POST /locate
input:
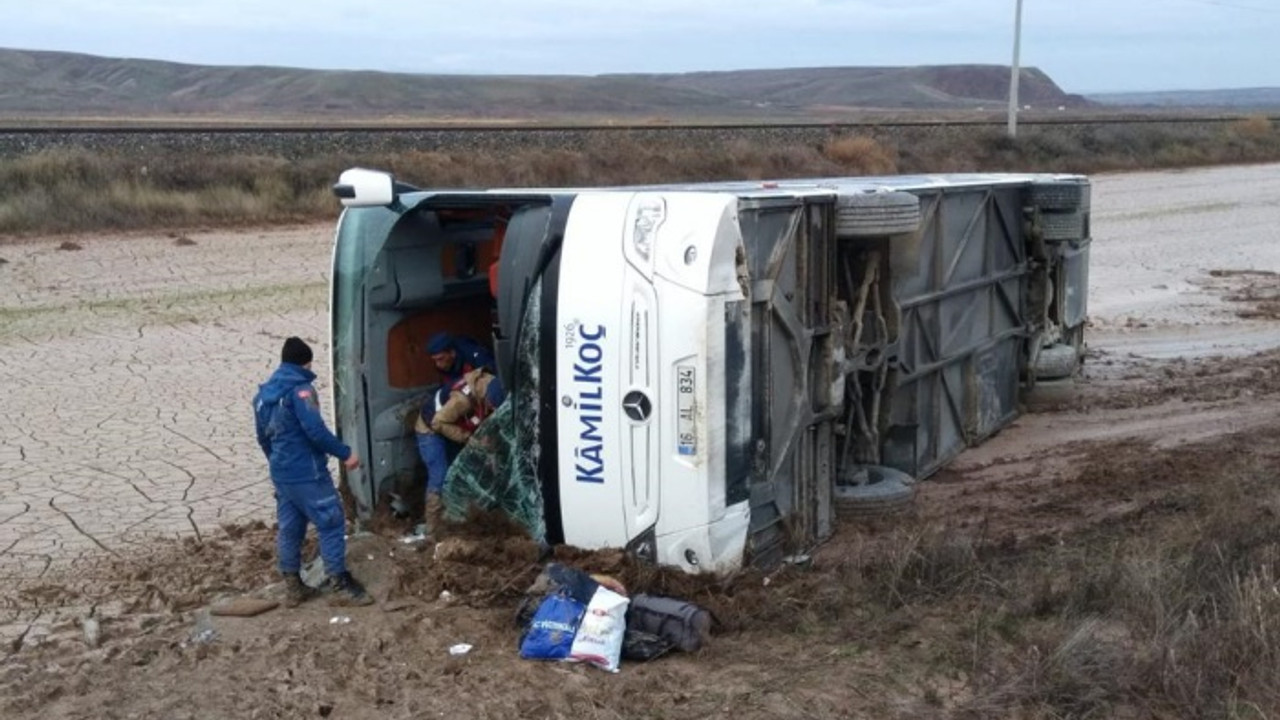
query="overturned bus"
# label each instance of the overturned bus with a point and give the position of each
(702, 373)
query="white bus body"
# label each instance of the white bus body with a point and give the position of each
(718, 363)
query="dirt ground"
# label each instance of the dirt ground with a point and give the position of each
(132, 494)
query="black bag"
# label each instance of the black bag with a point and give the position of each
(640, 646)
(555, 578)
(685, 625)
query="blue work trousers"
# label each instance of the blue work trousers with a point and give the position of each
(437, 453)
(310, 502)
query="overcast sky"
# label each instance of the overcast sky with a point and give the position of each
(1085, 45)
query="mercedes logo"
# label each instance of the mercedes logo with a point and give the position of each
(637, 406)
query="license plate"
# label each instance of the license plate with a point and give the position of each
(686, 410)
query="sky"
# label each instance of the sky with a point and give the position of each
(1084, 45)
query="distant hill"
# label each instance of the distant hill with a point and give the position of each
(38, 83)
(1265, 98)
(937, 86)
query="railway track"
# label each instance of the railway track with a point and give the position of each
(301, 140)
(219, 128)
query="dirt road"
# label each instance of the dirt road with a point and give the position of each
(127, 364)
(1179, 257)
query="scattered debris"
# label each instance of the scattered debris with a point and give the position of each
(570, 615)
(340, 620)
(313, 572)
(204, 633)
(401, 604)
(460, 649)
(68, 245)
(3, 261)
(610, 582)
(204, 637)
(244, 607)
(92, 632)
(183, 241)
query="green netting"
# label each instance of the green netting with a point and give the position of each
(496, 470)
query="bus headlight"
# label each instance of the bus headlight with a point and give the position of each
(647, 215)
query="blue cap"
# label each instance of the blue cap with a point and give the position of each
(439, 342)
(495, 393)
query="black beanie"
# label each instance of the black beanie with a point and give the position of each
(295, 351)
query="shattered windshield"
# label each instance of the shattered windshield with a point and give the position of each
(497, 469)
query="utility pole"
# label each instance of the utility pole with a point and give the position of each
(1015, 71)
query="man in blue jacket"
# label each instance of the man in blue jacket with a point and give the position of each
(455, 356)
(297, 444)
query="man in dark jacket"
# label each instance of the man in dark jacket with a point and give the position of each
(297, 444)
(455, 356)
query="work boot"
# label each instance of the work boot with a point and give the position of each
(347, 591)
(296, 592)
(434, 515)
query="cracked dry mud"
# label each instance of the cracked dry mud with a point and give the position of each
(131, 487)
(127, 369)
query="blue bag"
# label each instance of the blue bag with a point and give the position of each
(551, 632)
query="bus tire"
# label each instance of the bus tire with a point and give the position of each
(1056, 362)
(877, 214)
(1060, 195)
(1060, 226)
(1050, 395)
(882, 490)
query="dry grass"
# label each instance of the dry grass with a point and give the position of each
(65, 191)
(1171, 610)
(862, 155)
(74, 190)
(1256, 127)
(1175, 613)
